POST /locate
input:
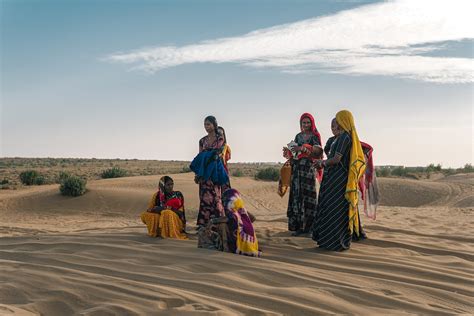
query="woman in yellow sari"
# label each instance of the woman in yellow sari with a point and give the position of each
(165, 215)
(337, 222)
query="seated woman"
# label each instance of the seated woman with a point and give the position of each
(165, 215)
(233, 232)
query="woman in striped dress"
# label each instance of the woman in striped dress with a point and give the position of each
(337, 222)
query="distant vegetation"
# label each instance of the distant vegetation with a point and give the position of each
(73, 186)
(237, 173)
(32, 177)
(62, 176)
(114, 172)
(186, 169)
(35, 171)
(269, 174)
(420, 172)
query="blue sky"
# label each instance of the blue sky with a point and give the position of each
(134, 79)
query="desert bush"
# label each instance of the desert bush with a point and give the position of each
(31, 177)
(268, 174)
(383, 172)
(432, 168)
(73, 186)
(4, 181)
(62, 176)
(399, 171)
(114, 172)
(237, 173)
(468, 168)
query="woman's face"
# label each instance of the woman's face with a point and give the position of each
(209, 127)
(306, 124)
(221, 132)
(335, 127)
(169, 186)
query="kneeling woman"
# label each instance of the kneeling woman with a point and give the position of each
(165, 215)
(233, 232)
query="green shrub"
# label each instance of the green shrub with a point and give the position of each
(31, 177)
(73, 186)
(114, 172)
(268, 174)
(433, 168)
(4, 181)
(62, 176)
(468, 168)
(399, 171)
(383, 172)
(237, 173)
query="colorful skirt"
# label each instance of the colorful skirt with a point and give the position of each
(164, 225)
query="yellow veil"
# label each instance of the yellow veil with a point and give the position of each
(356, 168)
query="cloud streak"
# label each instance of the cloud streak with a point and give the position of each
(389, 38)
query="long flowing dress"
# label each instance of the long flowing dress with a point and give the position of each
(331, 227)
(303, 197)
(170, 222)
(210, 204)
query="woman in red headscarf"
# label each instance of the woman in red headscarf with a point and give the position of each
(303, 198)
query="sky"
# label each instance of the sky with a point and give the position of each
(135, 79)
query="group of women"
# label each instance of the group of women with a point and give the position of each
(332, 218)
(223, 222)
(346, 175)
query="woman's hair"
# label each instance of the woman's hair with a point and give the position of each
(167, 179)
(212, 119)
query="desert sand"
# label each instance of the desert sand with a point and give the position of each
(90, 255)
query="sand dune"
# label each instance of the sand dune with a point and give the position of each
(89, 255)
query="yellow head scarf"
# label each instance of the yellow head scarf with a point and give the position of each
(356, 168)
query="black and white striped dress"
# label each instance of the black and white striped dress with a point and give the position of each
(331, 226)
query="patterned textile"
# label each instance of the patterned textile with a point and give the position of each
(368, 184)
(242, 238)
(331, 227)
(226, 156)
(356, 167)
(210, 205)
(303, 198)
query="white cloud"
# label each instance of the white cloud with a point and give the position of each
(378, 39)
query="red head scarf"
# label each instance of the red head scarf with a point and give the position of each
(315, 132)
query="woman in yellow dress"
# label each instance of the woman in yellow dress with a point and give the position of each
(165, 215)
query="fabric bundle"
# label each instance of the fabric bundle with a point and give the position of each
(208, 165)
